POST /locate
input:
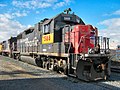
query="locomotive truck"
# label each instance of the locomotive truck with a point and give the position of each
(65, 44)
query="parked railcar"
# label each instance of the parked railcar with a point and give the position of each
(65, 44)
(8, 47)
(5, 48)
(0, 48)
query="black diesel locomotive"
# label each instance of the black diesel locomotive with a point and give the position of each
(64, 44)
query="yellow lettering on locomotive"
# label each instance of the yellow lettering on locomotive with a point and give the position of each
(47, 39)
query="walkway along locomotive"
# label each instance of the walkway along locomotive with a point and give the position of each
(65, 44)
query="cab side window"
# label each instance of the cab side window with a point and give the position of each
(46, 28)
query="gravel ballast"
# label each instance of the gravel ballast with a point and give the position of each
(17, 75)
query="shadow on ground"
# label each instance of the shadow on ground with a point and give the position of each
(53, 83)
(13, 73)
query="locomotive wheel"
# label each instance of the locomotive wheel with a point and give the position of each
(9, 55)
(18, 57)
(71, 71)
(66, 70)
(14, 56)
(48, 66)
(39, 62)
(55, 68)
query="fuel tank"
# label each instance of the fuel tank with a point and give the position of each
(28, 59)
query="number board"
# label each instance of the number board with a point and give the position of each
(48, 38)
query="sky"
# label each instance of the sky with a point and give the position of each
(18, 15)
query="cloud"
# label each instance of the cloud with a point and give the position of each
(31, 4)
(19, 14)
(2, 5)
(37, 12)
(117, 12)
(9, 27)
(62, 3)
(13, 15)
(20, 8)
(35, 4)
(112, 31)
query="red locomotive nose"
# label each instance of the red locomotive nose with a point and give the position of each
(82, 38)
